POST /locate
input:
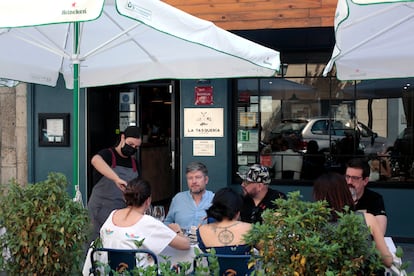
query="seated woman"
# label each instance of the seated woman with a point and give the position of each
(225, 235)
(333, 188)
(125, 226)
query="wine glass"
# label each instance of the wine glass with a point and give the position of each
(149, 210)
(158, 212)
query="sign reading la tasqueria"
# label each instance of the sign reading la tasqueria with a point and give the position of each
(203, 122)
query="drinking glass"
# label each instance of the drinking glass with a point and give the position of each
(158, 212)
(149, 210)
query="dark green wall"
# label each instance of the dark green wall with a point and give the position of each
(43, 160)
(219, 166)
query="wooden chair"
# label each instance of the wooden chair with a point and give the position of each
(230, 265)
(120, 260)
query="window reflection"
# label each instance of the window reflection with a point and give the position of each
(371, 119)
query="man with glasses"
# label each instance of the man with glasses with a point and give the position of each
(257, 194)
(357, 177)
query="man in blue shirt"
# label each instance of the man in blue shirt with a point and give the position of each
(188, 208)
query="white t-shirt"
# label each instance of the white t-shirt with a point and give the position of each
(156, 237)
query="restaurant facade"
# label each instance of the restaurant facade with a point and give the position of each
(229, 124)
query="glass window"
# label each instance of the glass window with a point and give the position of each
(280, 120)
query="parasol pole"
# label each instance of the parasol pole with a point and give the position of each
(75, 131)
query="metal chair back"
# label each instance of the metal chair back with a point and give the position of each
(230, 265)
(121, 260)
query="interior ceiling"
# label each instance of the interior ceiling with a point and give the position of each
(299, 45)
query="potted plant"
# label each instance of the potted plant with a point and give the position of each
(45, 230)
(298, 239)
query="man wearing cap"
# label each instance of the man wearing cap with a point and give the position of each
(257, 194)
(113, 168)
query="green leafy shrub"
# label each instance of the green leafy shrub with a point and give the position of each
(45, 229)
(298, 239)
(401, 267)
(164, 268)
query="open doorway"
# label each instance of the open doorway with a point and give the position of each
(150, 105)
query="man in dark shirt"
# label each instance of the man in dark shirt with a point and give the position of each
(257, 194)
(357, 177)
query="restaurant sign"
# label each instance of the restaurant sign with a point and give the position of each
(203, 122)
(203, 95)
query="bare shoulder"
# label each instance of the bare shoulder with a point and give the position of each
(246, 224)
(203, 228)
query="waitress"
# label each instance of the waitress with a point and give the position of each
(113, 168)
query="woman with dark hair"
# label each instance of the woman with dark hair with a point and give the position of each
(333, 188)
(225, 235)
(125, 226)
(330, 187)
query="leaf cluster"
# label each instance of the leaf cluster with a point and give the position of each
(298, 238)
(401, 267)
(45, 229)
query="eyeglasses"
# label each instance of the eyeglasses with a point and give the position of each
(353, 177)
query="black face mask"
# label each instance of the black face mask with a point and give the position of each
(128, 150)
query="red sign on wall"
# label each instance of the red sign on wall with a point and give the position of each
(203, 95)
(266, 160)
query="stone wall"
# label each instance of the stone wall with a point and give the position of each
(13, 134)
